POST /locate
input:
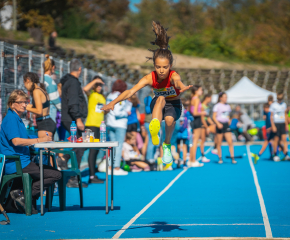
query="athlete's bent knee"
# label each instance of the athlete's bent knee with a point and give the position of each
(169, 121)
(160, 100)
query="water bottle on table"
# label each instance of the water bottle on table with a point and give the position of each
(103, 132)
(73, 132)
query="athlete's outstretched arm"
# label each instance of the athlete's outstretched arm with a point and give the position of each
(147, 80)
(178, 84)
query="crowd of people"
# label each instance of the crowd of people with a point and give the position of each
(146, 142)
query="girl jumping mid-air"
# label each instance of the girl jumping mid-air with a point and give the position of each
(167, 87)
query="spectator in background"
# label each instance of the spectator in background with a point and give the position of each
(132, 156)
(151, 149)
(279, 126)
(182, 138)
(96, 101)
(14, 141)
(116, 122)
(40, 105)
(134, 116)
(247, 124)
(51, 87)
(237, 110)
(74, 108)
(270, 99)
(52, 40)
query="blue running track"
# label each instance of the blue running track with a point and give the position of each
(212, 201)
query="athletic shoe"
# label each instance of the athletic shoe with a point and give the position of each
(119, 172)
(154, 128)
(96, 180)
(168, 167)
(214, 151)
(194, 164)
(73, 183)
(204, 159)
(256, 157)
(167, 156)
(134, 168)
(147, 169)
(286, 158)
(276, 159)
(159, 164)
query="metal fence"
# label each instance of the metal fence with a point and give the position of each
(16, 61)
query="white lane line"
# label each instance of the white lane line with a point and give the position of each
(260, 196)
(120, 232)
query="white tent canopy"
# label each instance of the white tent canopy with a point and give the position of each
(246, 92)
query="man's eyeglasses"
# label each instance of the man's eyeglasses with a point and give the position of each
(22, 102)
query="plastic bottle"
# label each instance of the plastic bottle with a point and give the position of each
(103, 132)
(73, 132)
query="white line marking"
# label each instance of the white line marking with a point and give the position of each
(260, 196)
(120, 232)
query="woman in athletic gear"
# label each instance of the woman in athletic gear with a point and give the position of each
(208, 125)
(197, 113)
(167, 87)
(221, 116)
(40, 105)
(279, 125)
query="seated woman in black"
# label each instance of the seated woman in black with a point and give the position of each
(40, 105)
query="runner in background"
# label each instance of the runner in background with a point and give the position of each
(221, 116)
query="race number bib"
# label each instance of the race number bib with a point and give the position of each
(280, 115)
(98, 108)
(165, 92)
(225, 115)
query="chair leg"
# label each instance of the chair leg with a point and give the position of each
(49, 196)
(27, 187)
(62, 192)
(81, 190)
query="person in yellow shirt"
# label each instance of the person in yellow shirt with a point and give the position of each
(96, 101)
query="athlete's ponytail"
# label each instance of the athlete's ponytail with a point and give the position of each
(162, 41)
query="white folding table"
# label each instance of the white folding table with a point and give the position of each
(57, 145)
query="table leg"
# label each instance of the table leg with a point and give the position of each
(107, 180)
(112, 178)
(41, 181)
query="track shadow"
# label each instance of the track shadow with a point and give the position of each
(157, 227)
